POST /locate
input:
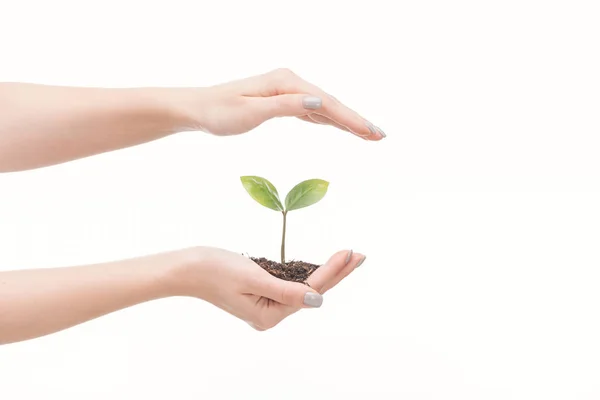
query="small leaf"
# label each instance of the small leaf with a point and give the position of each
(305, 194)
(262, 191)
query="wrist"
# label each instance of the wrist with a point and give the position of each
(183, 272)
(181, 107)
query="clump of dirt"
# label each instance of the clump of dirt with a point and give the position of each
(294, 271)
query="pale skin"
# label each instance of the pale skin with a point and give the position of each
(45, 125)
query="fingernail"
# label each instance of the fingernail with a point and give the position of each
(382, 133)
(371, 128)
(312, 299)
(349, 256)
(361, 261)
(312, 103)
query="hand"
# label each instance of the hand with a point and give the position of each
(239, 286)
(38, 302)
(240, 106)
(77, 122)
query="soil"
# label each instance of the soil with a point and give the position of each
(294, 271)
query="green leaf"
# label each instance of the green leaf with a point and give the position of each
(262, 191)
(306, 194)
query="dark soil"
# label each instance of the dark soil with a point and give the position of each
(295, 271)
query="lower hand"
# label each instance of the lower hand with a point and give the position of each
(238, 285)
(39, 302)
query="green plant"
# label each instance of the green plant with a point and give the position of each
(302, 195)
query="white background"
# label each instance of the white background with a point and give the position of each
(479, 213)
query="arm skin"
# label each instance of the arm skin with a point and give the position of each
(44, 125)
(38, 302)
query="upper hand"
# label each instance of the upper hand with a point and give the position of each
(240, 106)
(239, 286)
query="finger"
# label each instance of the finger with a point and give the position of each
(343, 115)
(380, 134)
(283, 81)
(320, 119)
(287, 293)
(334, 109)
(307, 118)
(286, 105)
(356, 261)
(323, 121)
(327, 276)
(328, 271)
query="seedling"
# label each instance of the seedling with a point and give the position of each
(302, 195)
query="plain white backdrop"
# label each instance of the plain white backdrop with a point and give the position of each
(479, 213)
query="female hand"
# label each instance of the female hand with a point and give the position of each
(43, 125)
(239, 286)
(39, 302)
(240, 106)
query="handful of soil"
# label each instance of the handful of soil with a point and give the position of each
(294, 271)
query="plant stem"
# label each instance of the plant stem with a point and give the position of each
(283, 238)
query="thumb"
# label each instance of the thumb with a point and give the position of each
(293, 294)
(288, 105)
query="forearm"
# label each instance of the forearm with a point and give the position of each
(44, 125)
(38, 302)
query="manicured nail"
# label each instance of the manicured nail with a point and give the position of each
(382, 133)
(361, 261)
(312, 103)
(371, 128)
(348, 257)
(313, 300)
